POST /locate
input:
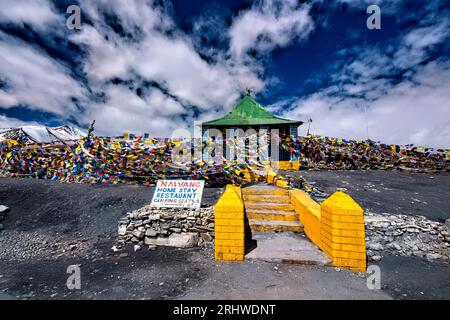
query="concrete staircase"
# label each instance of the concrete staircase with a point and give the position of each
(269, 208)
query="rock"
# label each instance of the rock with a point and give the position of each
(183, 240)
(122, 230)
(147, 223)
(376, 258)
(206, 237)
(418, 253)
(179, 240)
(115, 248)
(137, 247)
(138, 234)
(433, 256)
(4, 209)
(394, 245)
(124, 220)
(151, 233)
(447, 223)
(375, 246)
(382, 225)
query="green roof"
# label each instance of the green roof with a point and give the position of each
(249, 112)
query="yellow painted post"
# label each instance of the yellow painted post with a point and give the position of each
(309, 214)
(229, 226)
(342, 231)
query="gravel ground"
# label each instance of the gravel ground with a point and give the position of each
(54, 225)
(389, 191)
(398, 193)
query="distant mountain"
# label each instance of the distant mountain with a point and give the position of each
(41, 134)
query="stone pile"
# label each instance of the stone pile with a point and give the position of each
(406, 236)
(168, 227)
(4, 210)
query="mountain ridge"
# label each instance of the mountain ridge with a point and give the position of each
(41, 134)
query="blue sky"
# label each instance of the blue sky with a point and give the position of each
(158, 66)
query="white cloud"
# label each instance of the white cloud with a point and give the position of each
(150, 54)
(268, 24)
(126, 112)
(417, 44)
(172, 62)
(37, 13)
(390, 89)
(151, 48)
(415, 111)
(155, 113)
(35, 79)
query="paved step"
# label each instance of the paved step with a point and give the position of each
(271, 215)
(269, 208)
(264, 189)
(267, 198)
(263, 225)
(268, 205)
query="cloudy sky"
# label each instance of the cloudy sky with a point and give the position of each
(155, 66)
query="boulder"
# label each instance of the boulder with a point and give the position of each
(138, 234)
(433, 256)
(375, 246)
(4, 209)
(151, 233)
(179, 240)
(122, 229)
(206, 237)
(182, 240)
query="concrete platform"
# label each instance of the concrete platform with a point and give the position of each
(286, 247)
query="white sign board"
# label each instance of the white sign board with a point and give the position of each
(178, 194)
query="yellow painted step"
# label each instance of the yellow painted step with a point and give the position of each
(271, 215)
(267, 198)
(264, 190)
(268, 205)
(262, 225)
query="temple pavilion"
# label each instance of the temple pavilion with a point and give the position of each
(249, 114)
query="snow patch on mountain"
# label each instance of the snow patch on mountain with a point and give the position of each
(41, 134)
